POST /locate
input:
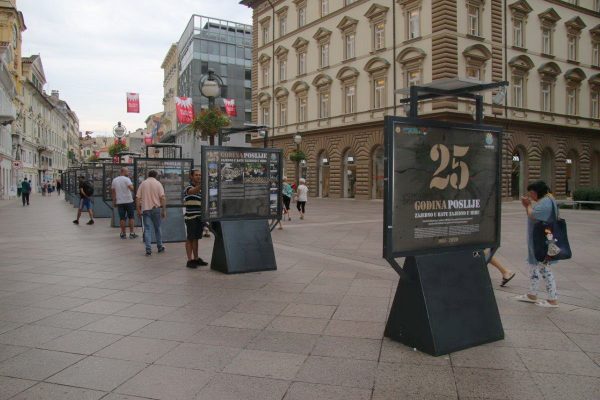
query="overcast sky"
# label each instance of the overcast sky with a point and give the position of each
(94, 51)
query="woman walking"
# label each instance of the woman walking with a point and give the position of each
(286, 193)
(302, 194)
(540, 206)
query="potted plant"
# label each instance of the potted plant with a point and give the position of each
(115, 148)
(209, 123)
(297, 156)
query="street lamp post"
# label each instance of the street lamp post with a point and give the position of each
(297, 140)
(119, 134)
(210, 87)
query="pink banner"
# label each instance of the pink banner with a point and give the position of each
(133, 102)
(185, 110)
(230, 107)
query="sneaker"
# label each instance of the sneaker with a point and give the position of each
(192, 264)
(90, 222)
(132, 236)
(76, 222)
(148, 252)
(123, 235)
(301, 216)
(201, 262)
(161, 249)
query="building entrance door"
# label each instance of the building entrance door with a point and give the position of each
(323, 175)
(349, 175)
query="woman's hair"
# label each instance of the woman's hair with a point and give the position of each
(539, 187)
(302, 180)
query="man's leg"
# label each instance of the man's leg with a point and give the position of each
(156, 220)
(147, 224)
(27, 197)
(188, 250)
(195, 248)
(122, 226)
(23, 198)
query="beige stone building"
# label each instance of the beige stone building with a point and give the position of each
(170, 70)
(329, 70)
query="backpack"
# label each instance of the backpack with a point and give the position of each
(88, 188)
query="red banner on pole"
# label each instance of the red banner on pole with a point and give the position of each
(230, 108)
(185, 110)
(133, 102)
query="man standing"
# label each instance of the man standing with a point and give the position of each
(193, 219)
(123, 200)
(25, 191)
(86, 191)
(151, 207)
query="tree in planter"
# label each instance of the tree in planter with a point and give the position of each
(93, 158)
(115, 148)
(297, 156)
(209, 123)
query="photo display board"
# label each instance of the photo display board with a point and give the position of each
(94, 174)
(241, 183)
(173, 173)
(442, 187)
(74, 181)
(110, 172)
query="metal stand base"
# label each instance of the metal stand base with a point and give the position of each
(242, 246)
(101, 209)
(444, 304)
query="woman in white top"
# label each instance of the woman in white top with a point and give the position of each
(302, 193)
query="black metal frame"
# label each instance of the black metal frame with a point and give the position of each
(205, 189)
(135, 173)
(164, 146)
(389, 254)
(106, 199)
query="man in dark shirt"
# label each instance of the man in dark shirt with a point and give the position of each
(86, 191)
(193, 219)
(25, 191)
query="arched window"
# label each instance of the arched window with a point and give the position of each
(323, 174)
(349, 171)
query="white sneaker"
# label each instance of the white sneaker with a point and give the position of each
(544, 303)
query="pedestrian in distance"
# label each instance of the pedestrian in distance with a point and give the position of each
(302, 194)
(122, 198)
(192, 201)
(25, 191)
(86, 191)
(58, 187)
(44, 188)
(286, 194)
(151, 208)
(539, 205)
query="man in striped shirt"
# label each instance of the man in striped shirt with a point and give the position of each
(193, 219)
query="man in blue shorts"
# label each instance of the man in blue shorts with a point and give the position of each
(86, 191)
(122, 187)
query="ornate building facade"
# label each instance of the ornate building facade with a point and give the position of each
(329, 71)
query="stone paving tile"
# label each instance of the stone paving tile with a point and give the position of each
(236, 387)
(27, 315)
(8, 351)
(303, 391)
(6, 326)
(62, 303)
(166, 383)
(31, 335)
(12, 386)
(536, 340)
(193, 315)
(560, 386)
(344, 347)
(261, 307)
(309, 311)
(265, 364)
(117, 325)
(505, 358)
(367, 314)
(102, 307)
(92, 293)
(327, 299)
(224, 336)
(137, 349)
(98, 373)
(50, 391)
(284, 342)
(361, 329)
(408, 380)
(115, 396)
(126, 296)
(70, 320)
(338, 372)
(145, 311)
(243, 320)
(168, 330)
(394, 352)
(495, 384)
(199, 356)
(298, 325)
(587, 343)
(561, 362)
(81, 342)
(37, 364)
(395, 394)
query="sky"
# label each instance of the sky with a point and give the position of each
(95, 51)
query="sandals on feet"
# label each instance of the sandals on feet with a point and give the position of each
(506, 280)
(525, 298)
(544, 303)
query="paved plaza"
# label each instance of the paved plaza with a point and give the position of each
(85, 315)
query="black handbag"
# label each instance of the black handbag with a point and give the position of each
(550, 240)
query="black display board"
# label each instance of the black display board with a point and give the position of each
(109, 172)
(74, 180)
(241, 183)
(95, 174)
(443, 187)
(173, 173)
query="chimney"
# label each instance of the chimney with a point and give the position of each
(55, 94)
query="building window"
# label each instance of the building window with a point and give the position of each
(474, 73)
(413, 78)
(571, 101)
(596, 54)
(324, 55)
(595, 105)
(282, 114)
(265, 73)
(265, 34)
(597, 5)
(518, 92)
(302, 105)
(572, 47)
(518, 33)
(282, 25)
(349, 45)
(302, 16)
(547, 41)
(473, 12)
(379, 36)
(350, 99)
(324, 7)
(282, 70)
(379, 93)
(546, 100)
(265, 115)
(414, 24)
(302, 63)
(324, 105)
